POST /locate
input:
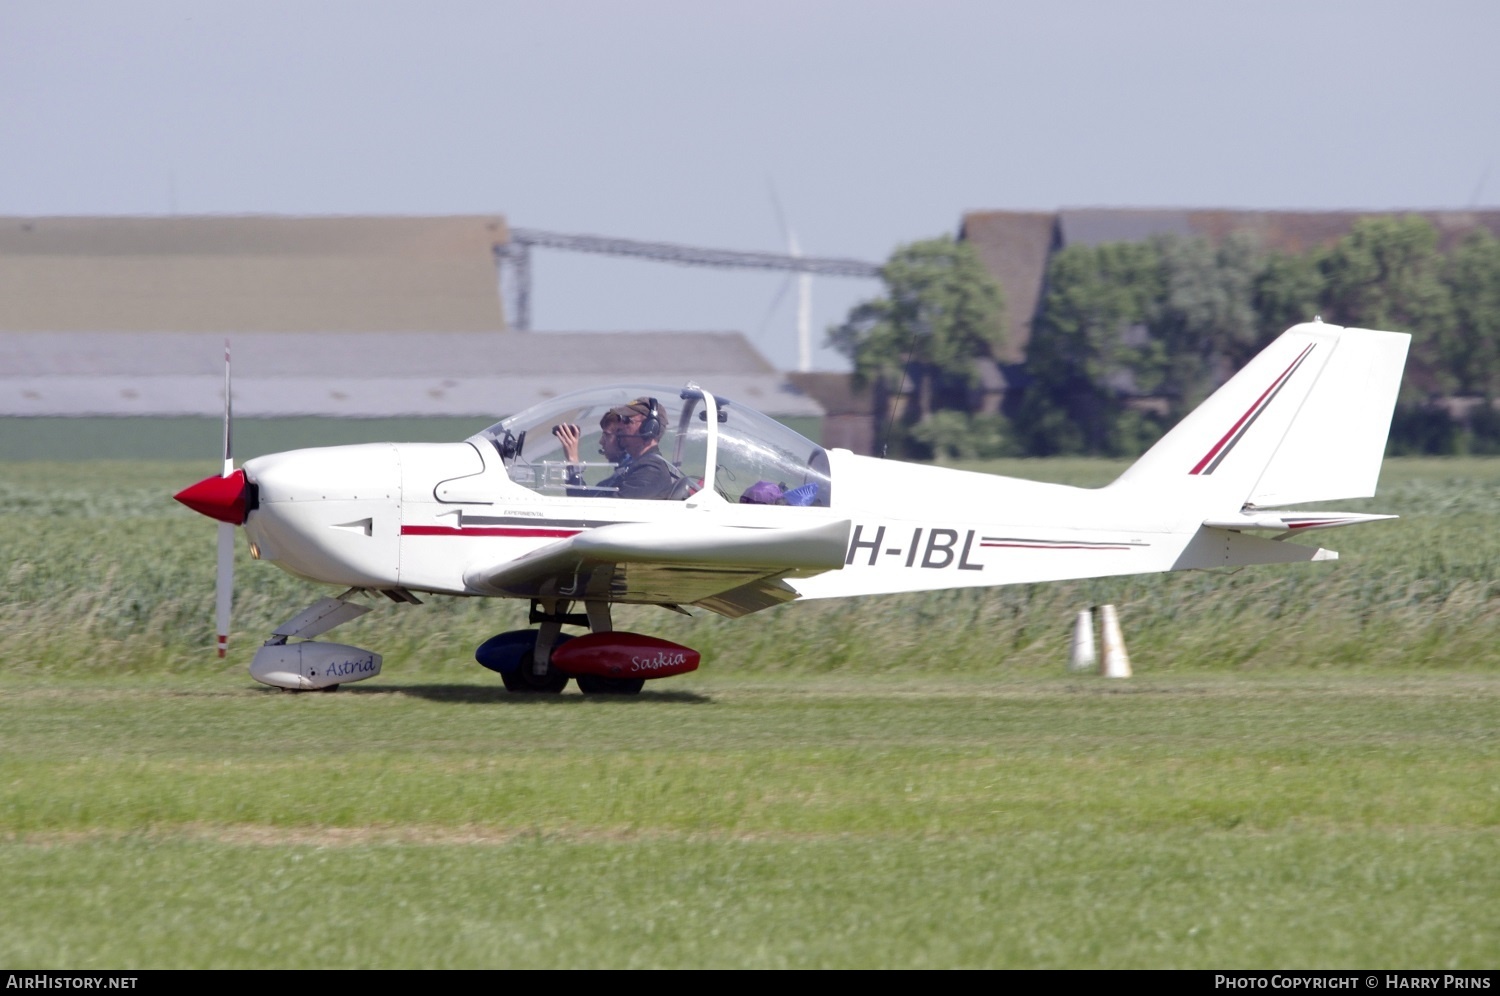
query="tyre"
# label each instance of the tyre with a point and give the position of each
(509, 655)
(592, 684)
(521, 680)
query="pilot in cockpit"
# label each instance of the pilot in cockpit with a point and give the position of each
(631, 434)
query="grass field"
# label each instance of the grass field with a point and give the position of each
(1305, 771)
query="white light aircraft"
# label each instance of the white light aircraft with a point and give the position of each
(1304, 421)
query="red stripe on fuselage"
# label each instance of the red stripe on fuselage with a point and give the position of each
(1056, 546)
(510, 532)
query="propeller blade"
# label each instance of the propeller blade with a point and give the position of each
(224, 584)
(228, 458)
(224, 578)
(225, 498)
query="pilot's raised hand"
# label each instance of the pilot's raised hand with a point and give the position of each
(567, 434)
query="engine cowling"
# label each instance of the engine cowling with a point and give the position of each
(624, 655)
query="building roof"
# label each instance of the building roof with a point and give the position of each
(834, 392)
(1288, 231)
(261, 272)
(367, 374)
(1092, 227)
(1014, 246)
(332, 316)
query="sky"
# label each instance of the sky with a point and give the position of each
(871, 123)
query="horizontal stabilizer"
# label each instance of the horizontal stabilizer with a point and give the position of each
(1292, 522)
(1214, 548)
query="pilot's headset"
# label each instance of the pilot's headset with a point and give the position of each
(651, 426)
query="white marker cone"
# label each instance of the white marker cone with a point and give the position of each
(1083, 657)
(1116, 660)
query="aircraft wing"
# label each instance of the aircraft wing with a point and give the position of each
(730, 570)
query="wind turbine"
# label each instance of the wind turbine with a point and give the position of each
(804, 289)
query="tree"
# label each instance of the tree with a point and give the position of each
(1087, 343)
(1288, 290)
(941, 312)
(1203, 327)
(956, 435)
(1386, 274)
(1129, 337)
(1471, 349)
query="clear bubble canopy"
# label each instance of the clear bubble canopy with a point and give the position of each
(756, 459)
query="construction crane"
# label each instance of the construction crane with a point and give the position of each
(515, 256)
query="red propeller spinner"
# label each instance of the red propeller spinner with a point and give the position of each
(221, 498)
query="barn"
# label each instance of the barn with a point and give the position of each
(394, 323)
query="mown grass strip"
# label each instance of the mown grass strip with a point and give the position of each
(1086, 898)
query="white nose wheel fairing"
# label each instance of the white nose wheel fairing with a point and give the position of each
(308, 665)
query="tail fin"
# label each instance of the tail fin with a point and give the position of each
(1306, 420)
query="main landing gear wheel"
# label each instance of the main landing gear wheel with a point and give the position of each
(593, 684)
(510, 654)
(524, 681)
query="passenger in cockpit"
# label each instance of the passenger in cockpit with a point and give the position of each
(631, 434)
(767, 493)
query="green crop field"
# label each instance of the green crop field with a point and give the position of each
(1304, 771)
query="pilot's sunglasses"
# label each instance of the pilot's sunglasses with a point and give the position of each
(622, 425)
